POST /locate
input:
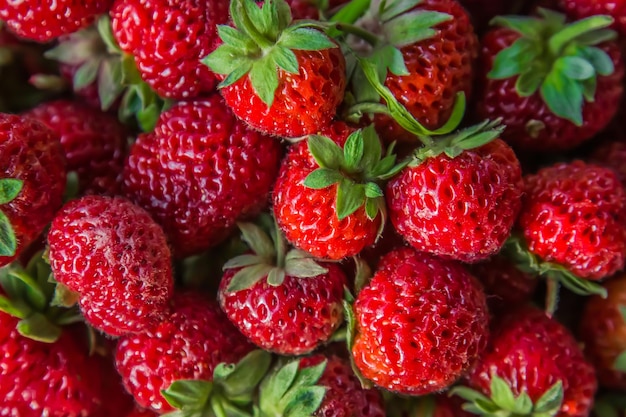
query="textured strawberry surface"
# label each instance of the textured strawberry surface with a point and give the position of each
(186, 345)
(303, 103)
(612, 155)
(421, 323)
(603, 330)
(94, 143)
(573, 215)
(461, 208)
(530, 124)
(44, 20)
(31, 152)
(116, 257)
(532, 352)
(168, 38)
(578, 9)
(290, 319)
(201, 171)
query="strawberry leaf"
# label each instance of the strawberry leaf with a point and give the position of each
(575, 67)
(501, 393)
(514, 60)
(14, 308)
(550, 402)
(599, 59)
(257, 240)
(308, 39)
(304, 268)
(188, 393)
(8, 241)
(350, 196)
(395, 8)
(353, 150)
(276, 277)
(413, 27)
(285, 59)
(242, 261)
(241, 379)
(264, 79)
(39, 328)
(528, 83)
(246, 278)
(529, 27)
(275, 387)
(303, 401)
(389, 58)
(10, 189)
(327, 153)
(564, 97)
(322, 178)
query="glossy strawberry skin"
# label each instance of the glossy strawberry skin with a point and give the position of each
(578, 9)
(46, 20)
(31, 152)
(603, 331)
(168, 38)
(420, 323)
(199, 172)
(573, 215)
(308, 217)
(461, 208)
(531, 126)
(188, 344)
(94, 143)
(293, 318)
(303, 103)
(531, 352)
(116, 258)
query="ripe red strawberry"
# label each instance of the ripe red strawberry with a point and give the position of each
(199, 172)
(32, 180)
(573, 215)
(578, 9)
(460, 205)
(554, 90)
(283, 80)
(94, 143)
(116, 258)
(533, 357)
(284, 302)
(46, 20)
(603, 331)
(421, 323)
(186, 345)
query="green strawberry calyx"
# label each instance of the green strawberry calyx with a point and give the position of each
(10, 188)
(559, 60)
(503, 402)
(229, 394)
(261, 45)
(270, 259)
(357, 169)
(350, 330)
(620, 361)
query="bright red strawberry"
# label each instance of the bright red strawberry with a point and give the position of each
(187, 345)
(32, 180)
(532, 356)
(579, 9)
(283, 80)
(460, 205)
(552, 91)
(116, 258)
(573, 215)
(421, 323)
(48, 19)
(94, 143)
(603, 331)
(612, 155)
(284, 302)
(199, 172)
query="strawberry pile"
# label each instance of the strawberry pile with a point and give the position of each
(330, 208)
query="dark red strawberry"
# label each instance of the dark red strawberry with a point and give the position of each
(199, 172)
(578, 9)
(612, 155)
(421, 322)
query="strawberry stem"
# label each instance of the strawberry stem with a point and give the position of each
(367, 36)
(250, 28)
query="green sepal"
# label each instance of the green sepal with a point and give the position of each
(350, 318)
(10, 189)
(39, 328)
(620, 362)
(239, 381)
(184, 394)
(412, 27)
(8, 240)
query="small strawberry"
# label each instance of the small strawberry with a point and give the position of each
(531, 367)
(282, 79)
(421, 322)
(32, 180)
(460, 197)
(578, 9)
(199, 172)
(284, 302)
(554, 84)
(116, 258)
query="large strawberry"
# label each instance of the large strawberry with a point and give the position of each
(32, 180)
(421, 323)
(532, 366)
(116, 258)
(282, 79)
(200, 171)
(284, 302)
(554, 84)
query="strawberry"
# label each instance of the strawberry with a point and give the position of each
(462, 203)
(612, 155)
(603, 330)
(555, 85)
(532, 366)
(327, 199)
(421, 322)
(282, 301)
(187, 345)
(46, 20)
(116, 258)
(32, 180)
(578, 9)
(94, 143)
(282, 79)
(199, 172)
